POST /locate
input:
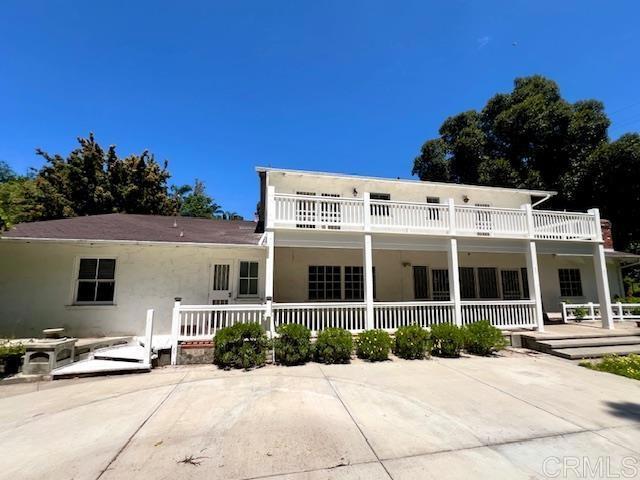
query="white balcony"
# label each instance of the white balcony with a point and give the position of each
(304, 212)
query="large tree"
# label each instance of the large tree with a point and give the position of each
(532, 137)
(198, 204)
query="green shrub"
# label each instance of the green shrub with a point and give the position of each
(373, 345)
(482, 338)
(412, 342)
(628, 366)
(293, 346)
(11, 357)
(579, 313)
(243, 345)
(334, 345)
(448, 340)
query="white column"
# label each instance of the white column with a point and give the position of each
(454, 280)
(533, 277)
(175, 330)
(270, 207)
(368, 279)
(268, 280)
(452, 216)
(602, 279)
(148, 336)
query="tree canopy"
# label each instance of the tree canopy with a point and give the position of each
(533, 138)
(92, 180)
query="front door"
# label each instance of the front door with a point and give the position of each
(220, 291)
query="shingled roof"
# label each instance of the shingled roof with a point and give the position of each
(145, 228)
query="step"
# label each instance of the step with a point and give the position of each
(595, 352)
(87, 368)
(126, 353)
(590, 342)
(614, 333)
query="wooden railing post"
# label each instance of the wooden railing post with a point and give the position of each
(175, 330)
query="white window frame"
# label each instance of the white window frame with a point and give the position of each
(249, 277)
(579, 282)
(76, 281)
(340, 277)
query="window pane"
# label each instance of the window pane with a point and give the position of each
(86, 291)
(253, 270)
(106, 268)
(105, 291)
(244, 269)
(467, 283)
(253, 286)
(88, 268)
(244, 286)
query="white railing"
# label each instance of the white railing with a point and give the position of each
(509, 222)
(391, 315)
(501, 313)
(200, 322)
(309, 211)
(409, 217)
(551, 225)
(342, 213)
(591, 311)
(318, 316)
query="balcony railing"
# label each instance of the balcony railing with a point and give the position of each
(352, 214)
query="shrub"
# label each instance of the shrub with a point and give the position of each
(482, 338)
(628, 366)
(11, 356)
(447, 339)
(293, 346)
(412, 342)
(334, 345)
(373, 345)
(243, 345)
(579, 313)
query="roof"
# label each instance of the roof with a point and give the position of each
(535, 193)
(140, 228)
(621, 255)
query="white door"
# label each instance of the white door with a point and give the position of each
(220, 291)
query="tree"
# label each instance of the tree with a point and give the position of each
(229, 215)
(198, 204)
(6, 172)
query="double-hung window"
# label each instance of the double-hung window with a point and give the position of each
(570, 282)
(354, 283)
(488, 282)
(248, 285)
(96, 281)
(324, 282)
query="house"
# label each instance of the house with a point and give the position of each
(327, 249)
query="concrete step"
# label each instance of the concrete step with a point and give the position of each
(595, 352)
(87, 368)
(544, 338)
(590, 342)
(124, 353)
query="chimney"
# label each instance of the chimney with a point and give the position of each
(607, 236)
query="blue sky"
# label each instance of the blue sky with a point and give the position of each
(351, 86)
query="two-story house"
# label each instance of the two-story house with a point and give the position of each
(327, 250)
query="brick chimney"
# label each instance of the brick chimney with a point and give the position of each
(607, 236)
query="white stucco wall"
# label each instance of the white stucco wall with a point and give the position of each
(394, 273)
(37, 282)
(399, 190)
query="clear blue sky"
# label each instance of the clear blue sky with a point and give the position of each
(352, 86)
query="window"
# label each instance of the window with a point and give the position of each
(570, 282)
(248, 278)
(420, 282)
(221, 277)
(306, 211)
(440, 282)
(96, 280)
(433, 213)
(510, 284)
(354, 283)
(467, 283)
(377, 209)
(525, 282)
(488, 282)
(324, 282)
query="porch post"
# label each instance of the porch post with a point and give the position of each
(268, 281)
(533, 278)
(454, 280)
(602, 279)
(367, 262)
(175, 330)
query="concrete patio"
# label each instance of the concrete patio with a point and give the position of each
(441, 418)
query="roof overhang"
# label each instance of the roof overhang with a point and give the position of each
(84, 241)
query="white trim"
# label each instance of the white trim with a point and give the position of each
(536, 193)
(129, 242)
(74, 278)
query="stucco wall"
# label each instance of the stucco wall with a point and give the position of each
(37, 285)
(394, 277)
(401, 191)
